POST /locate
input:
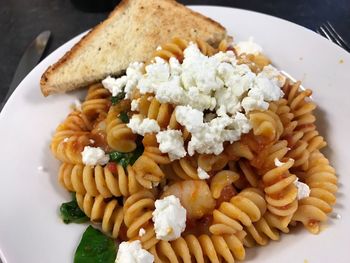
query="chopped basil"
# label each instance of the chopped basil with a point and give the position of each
(115, 99)
(95, 247)
(71, 213)
(124, 159)
(123, 116)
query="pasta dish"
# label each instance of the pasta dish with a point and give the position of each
(196, 155)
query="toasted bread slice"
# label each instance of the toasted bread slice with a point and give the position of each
(131, 33)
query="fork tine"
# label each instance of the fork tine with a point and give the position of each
(330, 35)
(324, 29)
(338, 35)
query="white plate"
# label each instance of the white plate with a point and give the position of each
(30, 228)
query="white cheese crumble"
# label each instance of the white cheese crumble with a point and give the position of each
(143, 126)
(278, 163)
(115, 86)
(208, 137)
(132, 252)
(200, 84)
(66, 139)
(142, 232)
(303, 189)
(135, 105)
(92, 141)
(202, 174)
(248, 47)
(94, 156)
(171, 142)
(125, 83)
(169, 218)
(77, 105)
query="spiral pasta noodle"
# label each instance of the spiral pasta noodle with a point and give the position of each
(322, 181)
(119, 136)
(108, 181)
(242, 210)
(280, 191)
(138, 210)
(266, 124)
(212, 248)
(67, 146)
(176, 47)
(97, 101)
(108, 213)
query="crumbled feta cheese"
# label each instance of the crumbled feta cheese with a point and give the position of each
(248, 47)
(142, 232)
(191, 118)
(77, 105)
(156, 73)
(135, 105)
(175, 67)
(66, 139)
(94, 156)
(115, 86)
(171, 142)
(199, 70)
(268, 88)
(254, 103)
(303, 189)
(127, 83)
(133, 74)
(199, 100)
(265, 87)
(273, 74)
(241, 123)
(237, 78)
(202, 174)
(278, 163)
(143, 126)
(132, 252)
(210, 136)
(200, 83)
(92, 141)
(170, 91)
(169, 218)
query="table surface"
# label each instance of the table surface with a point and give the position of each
(22, 20)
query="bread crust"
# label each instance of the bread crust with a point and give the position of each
(47, 83)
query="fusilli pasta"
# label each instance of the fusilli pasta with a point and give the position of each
(246, 195)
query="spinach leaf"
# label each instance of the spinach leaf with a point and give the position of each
(71, 213)
(136, 153)
(123, 116)
(124, 159)
(115, 99)
(95, 247)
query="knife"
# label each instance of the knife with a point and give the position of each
(29, 60)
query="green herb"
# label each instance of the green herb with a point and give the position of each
(71, 213)
(123, 116)
(136, 153)
(119, 97)
(124, 159)
(95, 247)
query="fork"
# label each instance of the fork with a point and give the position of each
(327, 30)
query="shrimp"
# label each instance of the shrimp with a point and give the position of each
(195, 197)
